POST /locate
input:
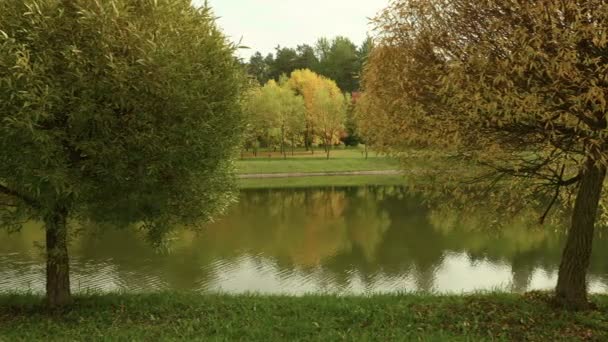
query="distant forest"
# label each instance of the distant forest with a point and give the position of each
(338, 59)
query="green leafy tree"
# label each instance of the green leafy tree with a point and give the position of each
(352, 137)
(261, 107)
(341, 64)
(293, 115)
(276, 114)
(519, 86)
(322, 48)
(284, 63)
(118, 111)
(363, 53)
(307, 59)
(329, 114)
(259, 68)
(338, 59)
(256, 124)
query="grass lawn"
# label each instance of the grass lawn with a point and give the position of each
(172, 316)
(340, 160)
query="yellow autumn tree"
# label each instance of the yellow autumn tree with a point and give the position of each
(325, 107)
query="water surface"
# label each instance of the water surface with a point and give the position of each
(355, 240)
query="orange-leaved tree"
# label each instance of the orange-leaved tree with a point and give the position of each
(519, 86)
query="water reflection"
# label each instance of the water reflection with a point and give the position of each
(344, 240)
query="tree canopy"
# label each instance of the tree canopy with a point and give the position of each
(118, 111)
(338, 59)
(305, 109)
(519, 86)
(275, 114)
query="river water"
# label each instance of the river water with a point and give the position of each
(357, 240)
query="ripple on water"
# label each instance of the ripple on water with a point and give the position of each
(310, 241)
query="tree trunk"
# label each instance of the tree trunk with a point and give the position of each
(57, 261)
(306, 145)
(571, 290)
(283, 143)
(365, 150)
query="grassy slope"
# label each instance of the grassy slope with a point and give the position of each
(340, 160)
(171, 316)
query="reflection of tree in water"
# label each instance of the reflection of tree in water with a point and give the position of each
(295, 228)
(418, 239)
(408, 244)
(138, 266)
(332, 234)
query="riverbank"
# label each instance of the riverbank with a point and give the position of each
(172, 316)
(344, 160)
(320, 181)
(346, 167)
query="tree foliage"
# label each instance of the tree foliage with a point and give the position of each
(325, 107)
(259, 68)
(340, 62)
(519, 86)
(304, 109)
(275, 116)
(117, 111)
(339, 59)
(329, 115)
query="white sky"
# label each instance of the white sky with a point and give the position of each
(264, 24)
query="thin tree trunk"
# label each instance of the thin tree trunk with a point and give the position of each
(571, 290)
(57, 260)
(283, 143)
(365, 150)
(306, 137)
(312, 138)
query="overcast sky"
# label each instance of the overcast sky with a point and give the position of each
(264, 24)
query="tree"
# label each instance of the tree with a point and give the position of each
(352, 137)
(259, 68)
(256, 124)
(338, 59)
(261, 107)
(304, 82)
(373, 126)
(119, 111)
(329, 114)
(276, 113)
(285, 62)
(341, 64)
(363, 53)
(306, 58)
(322, 48)
(518, 86)
(325, 107)
(293, 115)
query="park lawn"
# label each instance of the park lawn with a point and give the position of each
(320, 181)
(340, 160)
(189, 316)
